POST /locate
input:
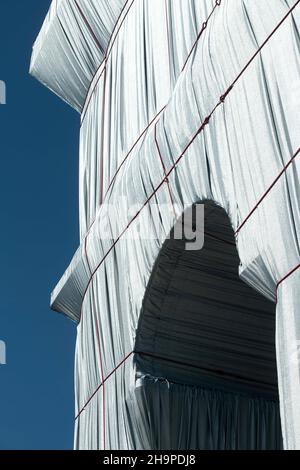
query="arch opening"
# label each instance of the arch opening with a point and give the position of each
(204, 333)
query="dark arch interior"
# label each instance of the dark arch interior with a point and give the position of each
(202, 326)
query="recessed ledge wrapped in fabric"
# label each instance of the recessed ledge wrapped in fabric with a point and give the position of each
(72, 44)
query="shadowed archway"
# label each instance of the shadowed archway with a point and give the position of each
(204, 330)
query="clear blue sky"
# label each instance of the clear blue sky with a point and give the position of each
(39, 234)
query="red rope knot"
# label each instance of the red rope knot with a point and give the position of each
(223, 97)
(204, 123)
(204, 26)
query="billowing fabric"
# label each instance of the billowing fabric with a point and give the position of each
(156, 132)
(204, 419)
(69, 49)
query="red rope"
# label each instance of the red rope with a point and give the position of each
(102, 136)
(222, 98)
(88, 26)
(114, 36)
(267, 191)
(218, 3)
(201, 129)
(86, 255)
(203, 28)
(195, 366)
(123, 161)
(292, 271)
(105, 380)
(168, 42)
(108, 51)
(90, 97)
(267, 40)
(156, 357)
(132, 148)
(164, 169)
(110, 47)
